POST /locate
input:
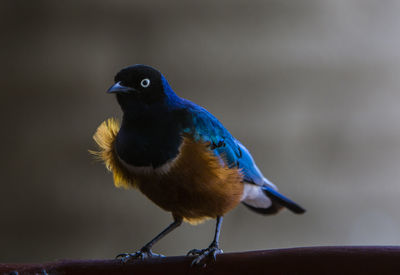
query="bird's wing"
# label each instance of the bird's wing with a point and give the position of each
(205, 127)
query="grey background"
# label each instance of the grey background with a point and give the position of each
(310, 87)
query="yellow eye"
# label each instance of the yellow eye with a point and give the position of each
(145, 83)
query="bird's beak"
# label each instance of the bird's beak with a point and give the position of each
(117, 88)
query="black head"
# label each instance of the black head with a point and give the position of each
(139, 85)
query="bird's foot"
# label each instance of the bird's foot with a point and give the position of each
(205, 254)
(142, 254)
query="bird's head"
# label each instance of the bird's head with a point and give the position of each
(140, 87)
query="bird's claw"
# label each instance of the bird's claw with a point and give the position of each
(202, 254)
(195, 252)
(142, 254)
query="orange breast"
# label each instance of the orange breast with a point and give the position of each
(196, 186)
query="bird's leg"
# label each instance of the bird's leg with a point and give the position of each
(212, 250)
(145, 251)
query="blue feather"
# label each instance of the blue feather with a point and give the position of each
(205, 127)
(282, 200)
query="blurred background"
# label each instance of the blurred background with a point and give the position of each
(310, 87)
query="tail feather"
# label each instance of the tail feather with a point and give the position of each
(277, 197)
(273, 209)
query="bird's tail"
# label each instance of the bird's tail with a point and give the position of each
(280, 199)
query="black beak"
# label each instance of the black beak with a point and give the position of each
(117, 88)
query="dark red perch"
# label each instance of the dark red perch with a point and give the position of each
(308, 260)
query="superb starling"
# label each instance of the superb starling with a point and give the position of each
(181, 157)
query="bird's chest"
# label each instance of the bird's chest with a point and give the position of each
(148, 143)
(194, 185)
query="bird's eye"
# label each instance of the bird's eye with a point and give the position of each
(145, 83)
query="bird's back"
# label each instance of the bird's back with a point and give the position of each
(259, 194)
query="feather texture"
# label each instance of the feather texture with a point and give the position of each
(206, 127)
(195, 187)
(105, 137)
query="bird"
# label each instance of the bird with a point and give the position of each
(180, 157)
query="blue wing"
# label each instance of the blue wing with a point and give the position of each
(205, 127)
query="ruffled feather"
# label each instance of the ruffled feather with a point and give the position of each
(105, 137)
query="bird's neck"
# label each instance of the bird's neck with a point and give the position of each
(139, 116)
